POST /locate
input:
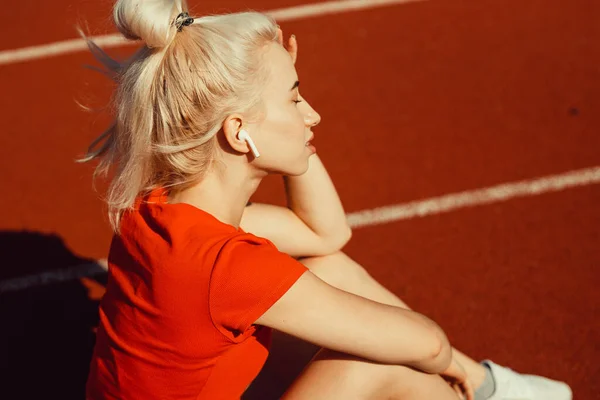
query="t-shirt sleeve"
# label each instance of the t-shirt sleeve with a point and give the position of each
(248, 277)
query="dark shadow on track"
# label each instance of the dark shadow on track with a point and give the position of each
(47, 333)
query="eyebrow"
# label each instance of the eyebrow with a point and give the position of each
(296, 84)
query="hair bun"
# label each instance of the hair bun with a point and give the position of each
(147, 20)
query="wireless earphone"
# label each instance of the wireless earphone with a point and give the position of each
(243, 135)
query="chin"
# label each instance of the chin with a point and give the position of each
(296, 172)
(297, 169)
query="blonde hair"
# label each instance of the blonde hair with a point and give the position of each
(174, 94)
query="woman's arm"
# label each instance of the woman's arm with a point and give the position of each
(318, 313)
(313, 224)
(313, 198)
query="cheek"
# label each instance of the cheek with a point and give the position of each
(285, 124)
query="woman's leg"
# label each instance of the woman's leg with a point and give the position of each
(341, 271)
(333, 376)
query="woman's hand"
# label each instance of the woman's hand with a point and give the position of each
(457, 378)
(292, 47)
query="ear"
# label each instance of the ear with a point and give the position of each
(231, 127)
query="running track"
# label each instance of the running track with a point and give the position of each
(419, 100)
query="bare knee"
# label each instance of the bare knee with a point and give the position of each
(337, 269)
(411, 384)
(333, 375)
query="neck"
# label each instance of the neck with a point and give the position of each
(223, 192)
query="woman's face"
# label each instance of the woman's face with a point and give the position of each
(282, 135)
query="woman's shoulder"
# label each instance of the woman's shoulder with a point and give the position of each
(249, 251)
(185, 229)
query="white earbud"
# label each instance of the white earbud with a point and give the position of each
(243, 135)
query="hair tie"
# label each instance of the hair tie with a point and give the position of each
(183, 19)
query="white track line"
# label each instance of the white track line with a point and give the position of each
(377, 216)
(471, 198)
(116, 39)
(330, 7)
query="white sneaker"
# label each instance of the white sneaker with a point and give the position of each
(511, 385)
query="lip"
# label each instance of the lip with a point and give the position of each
(309, 145)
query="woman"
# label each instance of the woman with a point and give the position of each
(204, 111)
(313, 228)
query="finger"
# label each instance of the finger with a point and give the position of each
(280, 36)
(469, 391)
(457, 390)
(293, 48)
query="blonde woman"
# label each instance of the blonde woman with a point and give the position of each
(313, 229)
(205, 110)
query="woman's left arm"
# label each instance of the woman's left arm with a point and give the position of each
(313, 224)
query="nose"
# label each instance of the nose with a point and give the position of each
(311, 117)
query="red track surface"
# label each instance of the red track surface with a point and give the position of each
(417, 100)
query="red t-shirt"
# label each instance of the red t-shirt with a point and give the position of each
(183, 292)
